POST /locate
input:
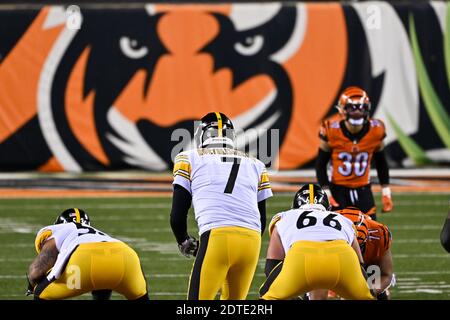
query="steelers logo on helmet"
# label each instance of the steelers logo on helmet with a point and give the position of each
(215, 130)
(73, 215)
(354, 105)
(310, 194)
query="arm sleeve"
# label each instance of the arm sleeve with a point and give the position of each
(321, 167)
(382, 167)
(182, 171)
(270, 265)
(264, 189)
(445, 235)
(181, 202)
(262, 212)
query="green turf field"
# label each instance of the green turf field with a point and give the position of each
(421, 265)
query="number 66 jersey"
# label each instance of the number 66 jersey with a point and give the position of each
(226, 186)
(311, 223)
(68, 236)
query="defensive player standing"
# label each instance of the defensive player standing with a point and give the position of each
(75, 258)
(350, 144)
(312, 248)
(228, 190)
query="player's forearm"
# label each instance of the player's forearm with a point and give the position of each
(382, 168)
(385, 281)
(321, 167)
(181, 202)
(39, 267)
(262, 213)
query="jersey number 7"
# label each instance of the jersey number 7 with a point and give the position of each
(233, 175)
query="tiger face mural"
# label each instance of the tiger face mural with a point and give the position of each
(110, 94)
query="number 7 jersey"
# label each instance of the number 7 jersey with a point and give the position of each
(226, 186)
(351, 155)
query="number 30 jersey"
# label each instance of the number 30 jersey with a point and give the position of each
(226, 186)
(351, 155)
(67, 238)
(311, 223)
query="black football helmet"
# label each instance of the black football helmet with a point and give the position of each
(310, 194)
(216, 130)
(73, 215)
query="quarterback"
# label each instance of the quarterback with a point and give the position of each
(351, 144)
(312, 248)
(74, 258)
(228, 189)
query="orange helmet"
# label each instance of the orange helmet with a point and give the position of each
(354, 105)
(359, 220)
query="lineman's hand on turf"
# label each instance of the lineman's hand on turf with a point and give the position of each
(30, 288)
(189, 247)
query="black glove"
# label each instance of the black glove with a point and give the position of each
(189, 247)
(30, 289)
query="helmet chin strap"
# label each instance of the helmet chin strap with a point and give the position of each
(356, 122)
(220, 141)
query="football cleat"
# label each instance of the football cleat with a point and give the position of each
(215, 130)
(73, 215)
(354, 105)
(310, 194)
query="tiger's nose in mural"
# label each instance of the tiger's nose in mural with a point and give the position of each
(216, 60)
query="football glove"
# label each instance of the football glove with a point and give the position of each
(331, 200)
(189, 247)
(30, 288)
(386, 199)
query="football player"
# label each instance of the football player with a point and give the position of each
(375, 241)
(75, 258)
(228, 189)
(312, 248)
(350, 144)
(445, 234)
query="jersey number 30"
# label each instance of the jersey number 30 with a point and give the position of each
(350, 164)
(305, 221)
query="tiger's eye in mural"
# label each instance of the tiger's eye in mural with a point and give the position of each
(110, 94)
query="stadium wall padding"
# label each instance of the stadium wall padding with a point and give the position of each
(110, 94)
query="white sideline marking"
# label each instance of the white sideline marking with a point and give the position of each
(424, 272)
(409, 241)
(424, 255)
(9, 225)
(100, 206)
(414, 227)
(431, 291)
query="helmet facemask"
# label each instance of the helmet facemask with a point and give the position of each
(354, 105)
(356, 114)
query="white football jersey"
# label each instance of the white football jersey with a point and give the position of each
(67, 237)
(311, 223)
(226, 186)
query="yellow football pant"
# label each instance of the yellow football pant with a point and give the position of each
(99, 266)
(227, 260)
(313, 265)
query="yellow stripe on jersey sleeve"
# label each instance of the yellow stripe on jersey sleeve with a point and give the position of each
(182, 168)
(41, 238)
(274, 220)
(264, 182)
